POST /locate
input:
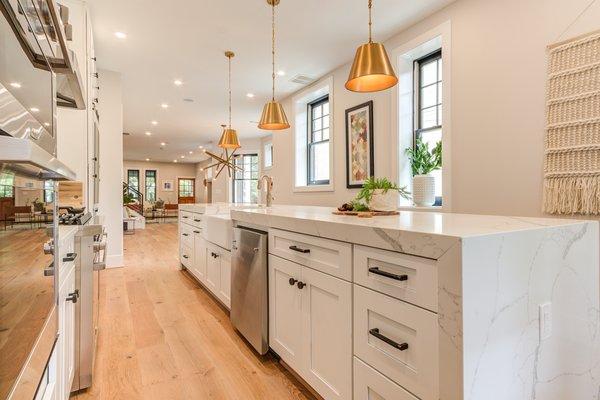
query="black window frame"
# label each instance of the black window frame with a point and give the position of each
(309, 140)
(133, 191)
(155, 184)
(234, 178)
(418, 63)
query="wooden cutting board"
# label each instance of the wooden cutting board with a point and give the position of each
(366, 214)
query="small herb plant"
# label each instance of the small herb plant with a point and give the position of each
(423, 161)
(372, 184)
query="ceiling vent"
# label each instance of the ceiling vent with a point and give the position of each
(302, 79)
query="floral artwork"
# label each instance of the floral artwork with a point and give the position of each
(359, 142)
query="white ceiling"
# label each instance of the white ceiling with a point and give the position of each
(185, 39)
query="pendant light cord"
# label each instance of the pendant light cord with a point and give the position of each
(273, 46)
(370, 5)
(229, 80)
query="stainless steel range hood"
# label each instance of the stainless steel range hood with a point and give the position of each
(25, 158)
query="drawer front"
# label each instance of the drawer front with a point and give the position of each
(325, 255)
(186, 256)
(404, 277)
(195, 219)
(397, 339)
(186, 235)
(185, 217)
(371, 385)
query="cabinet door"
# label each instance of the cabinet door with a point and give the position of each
(199, 265)
(327, 334)
(66, 338)
(224, 293)
(213, 276)
(285, 311)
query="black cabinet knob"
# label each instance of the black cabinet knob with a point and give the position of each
(293, 281)
(73, 296)
(301, 285)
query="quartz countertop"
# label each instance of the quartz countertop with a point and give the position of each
(426, 234)
(216, 208)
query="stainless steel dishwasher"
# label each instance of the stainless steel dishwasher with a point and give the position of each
(249, 287)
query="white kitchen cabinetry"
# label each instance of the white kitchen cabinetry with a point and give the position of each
(65, 346)
(310, 318)
(199, 264)
(218, 273)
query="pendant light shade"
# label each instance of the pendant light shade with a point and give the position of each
(273, 116)
(229, 138)
(371, 70)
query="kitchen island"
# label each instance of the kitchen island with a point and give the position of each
(430, 305)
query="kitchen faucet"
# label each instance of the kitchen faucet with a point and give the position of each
(269, 188)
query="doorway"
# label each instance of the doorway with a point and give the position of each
(186, 190)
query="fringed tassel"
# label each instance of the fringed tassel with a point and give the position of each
(572, 195)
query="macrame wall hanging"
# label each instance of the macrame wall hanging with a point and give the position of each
(572, 144)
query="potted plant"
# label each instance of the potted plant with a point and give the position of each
(423, 163)
(380, 194)
(38, 206)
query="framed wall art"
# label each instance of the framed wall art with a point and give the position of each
(360, 163)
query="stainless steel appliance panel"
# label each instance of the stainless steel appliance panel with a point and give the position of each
(249, 287)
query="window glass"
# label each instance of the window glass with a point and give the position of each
(245, 182)
(48, 191)
(7, 183)
(268, 157)
(150, 185)
(186, 188)
(133, 181)
(318, 142)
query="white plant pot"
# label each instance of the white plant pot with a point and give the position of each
(423, 190)
(381, 201)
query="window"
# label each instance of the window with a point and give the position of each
(268, 155)
(186, 187)
(7, 183)
(150, 185)
(245, 182)
(133, 181)
(318, 141)
(48, 191)
(428, 105)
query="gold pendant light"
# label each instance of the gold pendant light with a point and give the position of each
(229, 138)
(273, 116)
(371, 70)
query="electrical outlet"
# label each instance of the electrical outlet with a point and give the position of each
(545, 320)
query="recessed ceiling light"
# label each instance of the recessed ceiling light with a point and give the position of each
(191, 152)
(175, 161)
(164, 105)
(121, 35)
(148, 133)
(163, 144)
(281, 73)
(200, 147)
(147, 159)
(181, 156)
(16, 85)
(250, 95)
(177, 82)
(34, 109)
(154, 122)
(201, 169)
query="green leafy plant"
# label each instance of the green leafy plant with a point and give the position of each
(127, 197)
(372, 184)
(38, 205)
(422, 160)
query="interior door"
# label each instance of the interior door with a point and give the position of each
(186, 190)
(285, 311)
(326, 345)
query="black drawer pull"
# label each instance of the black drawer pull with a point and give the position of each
(301, 285)
(292, 281)
(196, 231)
(186, 234)
(185, 216)
(214, 255)
(70, 257)
(377, 271)
(73, 296)
(399, 346)
(299, 250)
(197, 220)
(184, 256)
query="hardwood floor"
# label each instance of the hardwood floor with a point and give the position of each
(164, 337)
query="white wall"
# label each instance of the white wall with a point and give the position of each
(110, 107)
(164, 171)
(498, 105)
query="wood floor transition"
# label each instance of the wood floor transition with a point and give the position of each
(164, 337)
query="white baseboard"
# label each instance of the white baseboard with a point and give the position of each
(114, 261)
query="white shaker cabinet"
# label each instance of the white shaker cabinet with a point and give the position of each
(224, 292)
(66, 334)
(310, 317)
(199, 263)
